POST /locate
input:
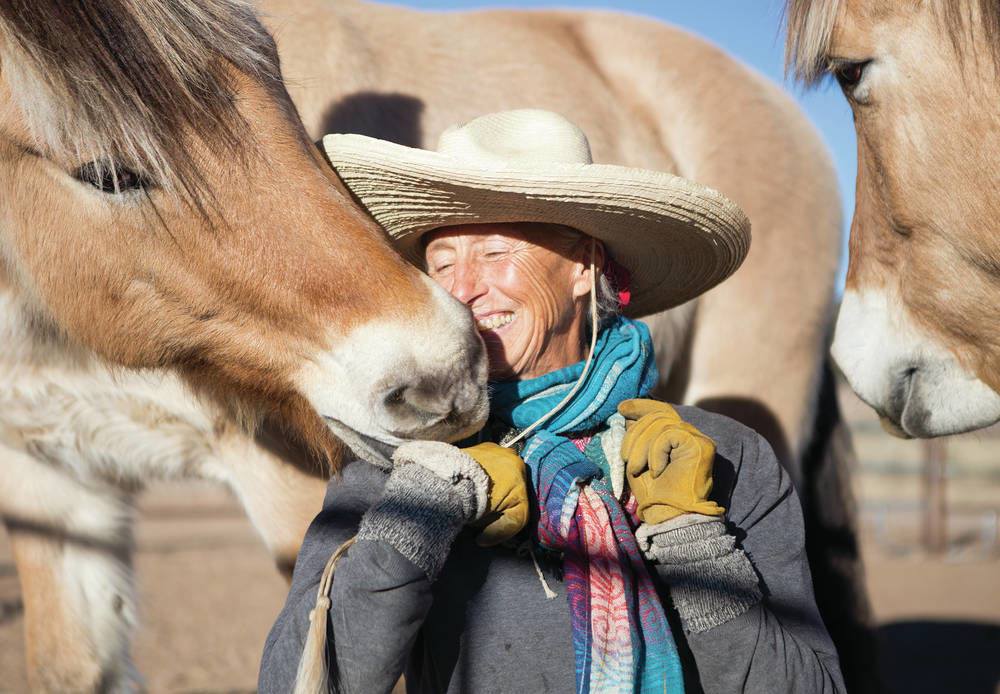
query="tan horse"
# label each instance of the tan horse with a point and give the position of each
(162, 208)
(647, 94)
(919, 332)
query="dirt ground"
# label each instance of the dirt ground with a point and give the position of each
(209, 594)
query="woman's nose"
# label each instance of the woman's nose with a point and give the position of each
(468, 284)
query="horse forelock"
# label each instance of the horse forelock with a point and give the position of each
(119, 82)
(809, 26)
(809, 30)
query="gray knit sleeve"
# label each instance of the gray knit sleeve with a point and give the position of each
(405, 520)
(749, 577)
(379, 597)
(711, 579)
(419, 514)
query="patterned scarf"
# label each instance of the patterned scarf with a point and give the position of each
(621, 638)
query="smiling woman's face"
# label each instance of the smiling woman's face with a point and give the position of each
(527, 286)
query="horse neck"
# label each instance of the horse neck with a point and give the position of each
(28, 337)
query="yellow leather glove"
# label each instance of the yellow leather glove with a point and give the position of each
(668, 462)
(508, 504)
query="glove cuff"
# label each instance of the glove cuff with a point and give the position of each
(419, 514)
(711, 579)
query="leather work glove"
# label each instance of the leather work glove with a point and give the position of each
(668, 462)
(508, 507)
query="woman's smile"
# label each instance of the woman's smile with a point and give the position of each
(494, 322)
(514, 279)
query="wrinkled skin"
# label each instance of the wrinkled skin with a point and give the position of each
(536, 276)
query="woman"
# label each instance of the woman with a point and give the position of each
(626, 546)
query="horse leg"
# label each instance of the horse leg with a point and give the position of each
(830, 515)
(74, 567)
(281, 491)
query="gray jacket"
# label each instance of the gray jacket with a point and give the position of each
(421, 598)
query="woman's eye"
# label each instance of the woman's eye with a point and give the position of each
(850, 74)
(111, 179)
(438, 269)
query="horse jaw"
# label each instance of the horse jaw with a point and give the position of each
(435, 388)
(908, 377)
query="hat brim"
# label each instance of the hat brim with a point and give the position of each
(677, 239)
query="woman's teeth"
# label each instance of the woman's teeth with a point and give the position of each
(495, 321)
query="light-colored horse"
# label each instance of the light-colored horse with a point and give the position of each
(82, 439)
(162, 209)
(647, 95)
(919, 331)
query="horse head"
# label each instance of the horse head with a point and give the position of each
(163, 207)
(918, 335)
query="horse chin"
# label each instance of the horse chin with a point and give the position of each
(917, 386)
(944, 399)
(935, 400)
(378, 450)
(367, 448)
(892, 428)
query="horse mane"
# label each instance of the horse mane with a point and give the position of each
(120, 81)
(809, 25)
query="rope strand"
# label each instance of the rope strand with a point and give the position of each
(313, 674)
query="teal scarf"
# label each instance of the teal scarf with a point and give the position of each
(621, 639)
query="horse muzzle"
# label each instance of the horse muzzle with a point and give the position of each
(403, 379)
(916, 385)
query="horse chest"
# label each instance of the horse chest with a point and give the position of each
(64, 408)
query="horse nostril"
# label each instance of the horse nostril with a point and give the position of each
(422, 399)
(900, 390)
(906, 380)
(395, 397)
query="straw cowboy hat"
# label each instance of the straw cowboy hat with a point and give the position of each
(676, 238)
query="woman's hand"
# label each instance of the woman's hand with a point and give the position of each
(508, 509)
(668, 462)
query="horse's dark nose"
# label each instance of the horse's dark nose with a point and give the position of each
(891, 411)
(906, 412)
(900, 390)
(432, 406)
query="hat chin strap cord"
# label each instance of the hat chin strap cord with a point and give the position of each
(586, 366)
(549, 593)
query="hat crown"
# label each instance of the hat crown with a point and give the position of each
(525, 137)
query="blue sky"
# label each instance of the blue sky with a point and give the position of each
(747, 29)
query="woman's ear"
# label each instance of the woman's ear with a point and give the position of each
(589, 249)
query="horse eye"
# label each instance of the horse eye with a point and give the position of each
(850, 74)
(104, 176)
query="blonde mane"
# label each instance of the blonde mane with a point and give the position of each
(809, 25)
(117, 82)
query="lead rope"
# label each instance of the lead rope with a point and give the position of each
(312, 676)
